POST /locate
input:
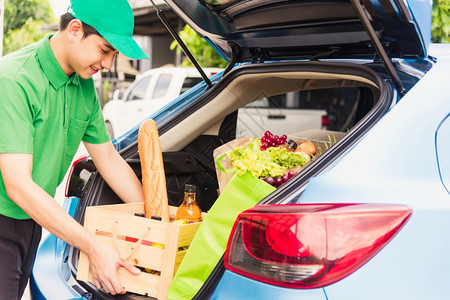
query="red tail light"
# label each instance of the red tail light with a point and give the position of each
(325, 122)
(310, 245)
(69, 175)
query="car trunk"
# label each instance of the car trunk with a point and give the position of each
(354, 95)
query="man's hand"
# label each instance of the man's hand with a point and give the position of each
(39, 205)
(104, 263)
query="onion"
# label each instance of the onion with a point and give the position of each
(306, 147)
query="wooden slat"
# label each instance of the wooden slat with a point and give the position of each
(125, 208)
(187, 233)
(170, 252)
(83, 268)
(145, 256)
(179, 257)
(108, 220)
(144, 283)
(129, 225)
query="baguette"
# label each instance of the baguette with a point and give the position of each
(153, 176)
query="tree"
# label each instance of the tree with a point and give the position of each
(440, 28)
(201, 50)
(30, 32)
(22, 22)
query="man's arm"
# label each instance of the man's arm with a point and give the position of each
(104, 260)
(116, 172)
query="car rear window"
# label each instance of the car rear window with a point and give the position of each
(190, 82)
(162, 85)
(138, 91)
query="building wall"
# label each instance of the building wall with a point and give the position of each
(161, 53)
(158, 49)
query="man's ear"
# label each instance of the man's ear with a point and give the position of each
(74, 30)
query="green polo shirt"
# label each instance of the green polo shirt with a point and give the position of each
(45, 113)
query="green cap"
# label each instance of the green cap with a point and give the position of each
(113, 19)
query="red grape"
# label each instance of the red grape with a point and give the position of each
(270, 180)
(272, 140)
(278, 181)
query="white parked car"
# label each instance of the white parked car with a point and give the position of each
(276, 113)
(151, 91)
(155, 88)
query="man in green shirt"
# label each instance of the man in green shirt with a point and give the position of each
(48, 105)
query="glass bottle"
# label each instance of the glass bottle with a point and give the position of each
(189, 209)
(291, 146)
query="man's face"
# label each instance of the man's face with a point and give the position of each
(91, 55)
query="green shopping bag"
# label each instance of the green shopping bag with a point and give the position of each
(208, 246)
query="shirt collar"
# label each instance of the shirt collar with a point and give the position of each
(50, 65)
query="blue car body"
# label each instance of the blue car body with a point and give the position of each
(407, 165)
(400, 155)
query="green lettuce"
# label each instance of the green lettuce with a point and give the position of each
(269, 163)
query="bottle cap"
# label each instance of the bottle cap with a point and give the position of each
(189, 188)
(292, 144)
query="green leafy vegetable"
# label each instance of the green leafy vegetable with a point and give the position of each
(271, 162)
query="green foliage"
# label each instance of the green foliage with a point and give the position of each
(107, 91)
(440, 28)
(206, 56)
(22, 22)
(327, 144)
(30, 32)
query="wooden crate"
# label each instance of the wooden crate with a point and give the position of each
(160, 251)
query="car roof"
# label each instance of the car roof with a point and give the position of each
(280, 29)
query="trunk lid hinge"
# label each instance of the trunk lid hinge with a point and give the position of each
(180, 42)
(378, 47)
(258, 55)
